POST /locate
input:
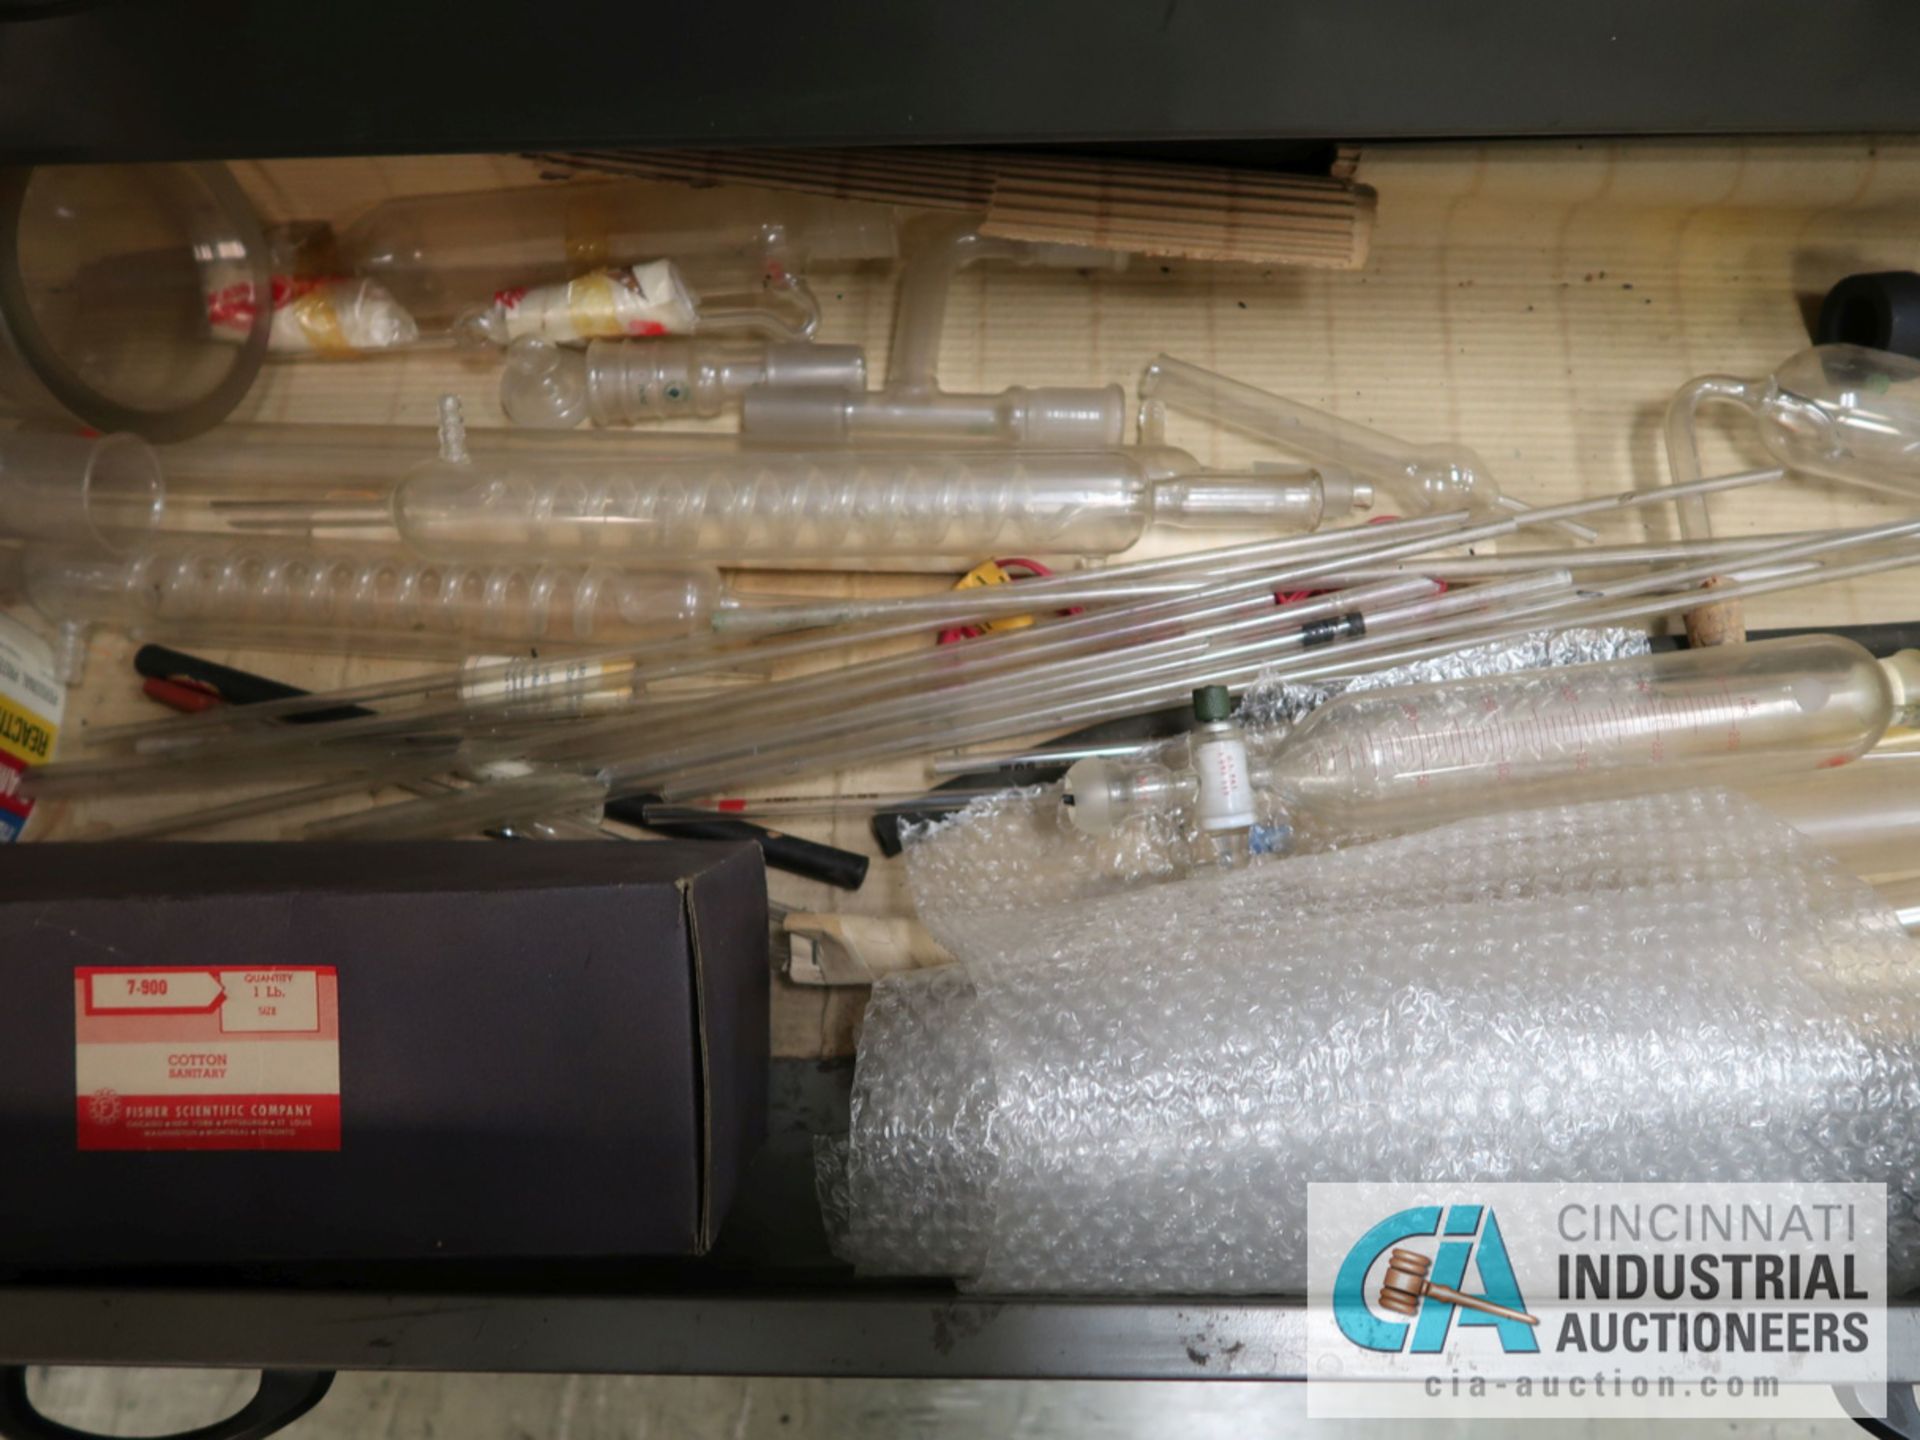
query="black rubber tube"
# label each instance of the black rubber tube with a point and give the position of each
(810, 859)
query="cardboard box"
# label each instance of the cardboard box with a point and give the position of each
(315, 1052)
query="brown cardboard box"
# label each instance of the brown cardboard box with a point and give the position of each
(315, 1052)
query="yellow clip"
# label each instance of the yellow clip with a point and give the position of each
(990, 573)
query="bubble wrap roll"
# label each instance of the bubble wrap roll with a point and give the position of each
(1014, 852)
(1668, 988)
(918, 1163)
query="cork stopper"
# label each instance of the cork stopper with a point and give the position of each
(1722, 623)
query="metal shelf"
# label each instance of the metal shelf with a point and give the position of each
(921, 1332)
(223, 78)
(771, 1300)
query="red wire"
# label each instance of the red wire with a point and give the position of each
(953, 635)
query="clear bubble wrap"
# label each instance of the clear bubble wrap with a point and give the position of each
(1014, 851)
(1130, 1094)
(918, 1165)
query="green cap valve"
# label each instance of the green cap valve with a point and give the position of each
(1212, 703)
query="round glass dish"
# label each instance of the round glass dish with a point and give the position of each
(132, 297)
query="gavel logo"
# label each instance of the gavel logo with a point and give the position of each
(1406, 1284)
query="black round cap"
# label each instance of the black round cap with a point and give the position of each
(1880, 311)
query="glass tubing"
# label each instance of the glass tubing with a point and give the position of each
(1522, 623)
(686, 785)
(1395, 648)
(176, 766)
(1237, 670)
(1083, 634)
(875, 621)
(1071, 589)
(1378, 544)
(418, 819)
(1634, 498)
(882, 706)
(1390, 550)
(65, 775)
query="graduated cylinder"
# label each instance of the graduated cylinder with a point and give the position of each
(1389, 760)
(1381, 762)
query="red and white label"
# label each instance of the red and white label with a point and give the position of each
(178, 1058)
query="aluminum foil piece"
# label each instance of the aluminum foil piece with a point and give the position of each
(1274, 702)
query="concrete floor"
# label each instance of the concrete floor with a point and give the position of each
(579, 1407)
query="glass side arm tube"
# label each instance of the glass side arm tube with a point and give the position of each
(1417, 478)
(911, 407)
